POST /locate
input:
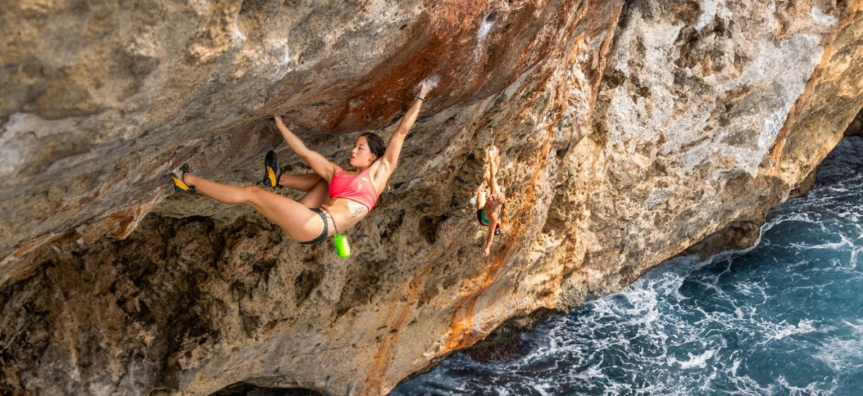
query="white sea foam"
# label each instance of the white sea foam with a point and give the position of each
(811, 389)
(783, 329)
(699, 361)
(842, 353)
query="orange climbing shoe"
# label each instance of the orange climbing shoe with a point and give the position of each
(272, 173)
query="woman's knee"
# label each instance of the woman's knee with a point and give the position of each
(322, 183)
(250, 194)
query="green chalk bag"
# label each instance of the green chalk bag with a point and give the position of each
(342, 247)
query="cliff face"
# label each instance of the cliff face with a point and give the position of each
(629, 132)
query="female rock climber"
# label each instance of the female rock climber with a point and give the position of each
(335, 198)
(490, 213)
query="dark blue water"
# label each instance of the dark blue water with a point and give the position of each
(782, 318)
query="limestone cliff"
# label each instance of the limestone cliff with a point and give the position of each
(629, 131)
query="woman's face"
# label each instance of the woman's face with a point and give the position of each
(361, 155)
(493, 200)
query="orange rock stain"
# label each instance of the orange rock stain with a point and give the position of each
(461, 321)
(455, 20)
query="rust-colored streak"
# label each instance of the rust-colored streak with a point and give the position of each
(382, 358)
(444, 41)
(454, 16)
(598, 68)
(461, 321)
(32, 245)
(381, 361)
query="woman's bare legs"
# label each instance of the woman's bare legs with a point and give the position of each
(493, 162)
(316, 187)
(303, 182)
(480, 199)
(317, 196)
(297, 220)
(480, 193)
(496, 155)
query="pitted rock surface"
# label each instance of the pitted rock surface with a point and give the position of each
(629, 132)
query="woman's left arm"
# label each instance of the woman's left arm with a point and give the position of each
(491, 227)
(394, 147)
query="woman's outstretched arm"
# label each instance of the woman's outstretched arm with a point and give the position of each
(491, 227)
(394, 147)
(319, 164)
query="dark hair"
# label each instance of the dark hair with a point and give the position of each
(376, 144)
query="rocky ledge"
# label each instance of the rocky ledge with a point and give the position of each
(629, 132)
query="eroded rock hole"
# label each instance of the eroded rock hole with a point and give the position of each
(504, 343)
(391, 228)
(305, 284)
(363, 282)
(429, 226)
(253, 9)
(247, 389)
(856, 126)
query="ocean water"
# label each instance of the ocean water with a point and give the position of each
(784, 317)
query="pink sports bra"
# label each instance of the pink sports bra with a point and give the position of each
(357, 188)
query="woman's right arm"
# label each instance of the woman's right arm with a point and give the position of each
(319, 164)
